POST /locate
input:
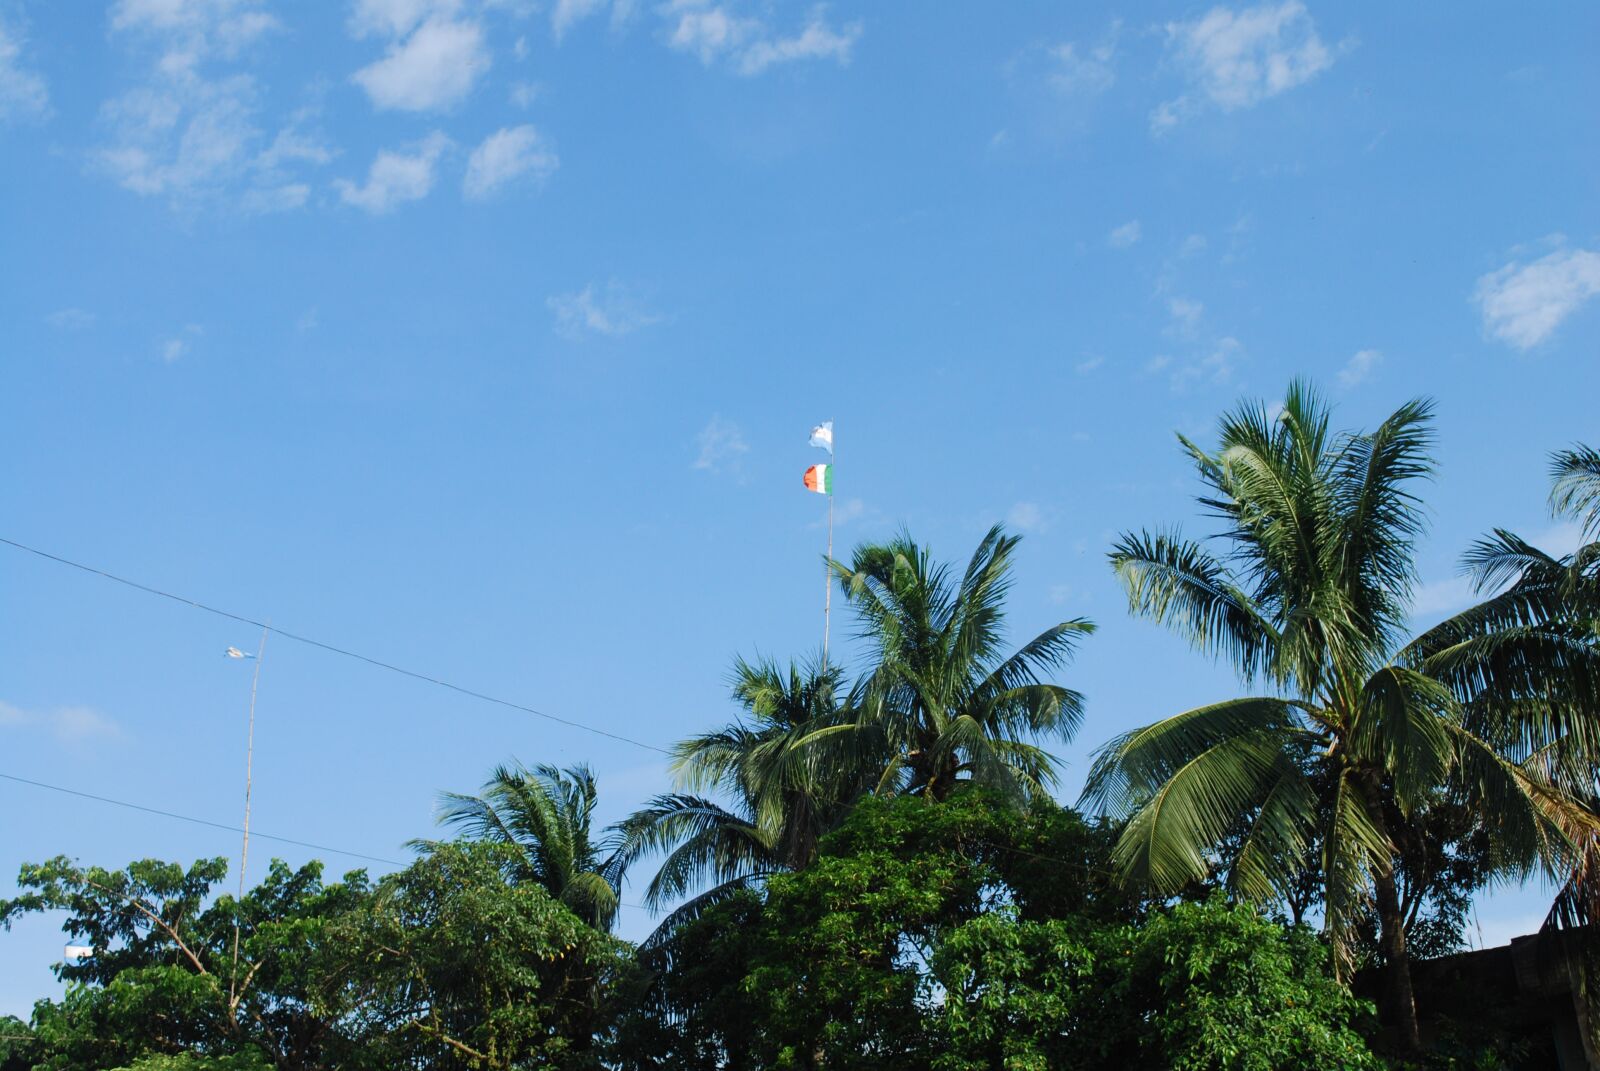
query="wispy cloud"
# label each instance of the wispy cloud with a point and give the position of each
(715, 32)
(396, 176)
(1359, 368)
(71, 319)
(1186, 312)
(613, 312)
(1089, 364)
(178, 346)
(509, 154)
(565, 14)
(23, 94)
(431, 65)
(1214, 367)
(1236, 59)
(1080, 70)
(1027, 517)
(191, 129)
(1440, 598)
(1124, 236)
(69, 725)
(721, 445)
(1524, 304)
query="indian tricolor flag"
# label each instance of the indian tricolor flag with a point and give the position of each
(819, 478)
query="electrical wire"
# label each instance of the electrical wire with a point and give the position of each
(333, 649)
(220, 825)
(197, 821)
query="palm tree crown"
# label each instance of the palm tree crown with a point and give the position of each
(546, 813)
(1309, 596)
(780, 797)
(943, 702)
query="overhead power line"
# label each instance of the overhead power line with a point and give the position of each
(218, 825)
(334, 649)
(196, 821)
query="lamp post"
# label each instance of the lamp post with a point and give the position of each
(249, 771)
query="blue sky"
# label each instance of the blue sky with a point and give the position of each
(483, 338)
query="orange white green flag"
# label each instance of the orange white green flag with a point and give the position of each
(819, 478)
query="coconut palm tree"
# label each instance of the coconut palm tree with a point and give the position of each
(545, 813)
(1309, 596)
(1540, 633)
(777, 797)
(943, 702)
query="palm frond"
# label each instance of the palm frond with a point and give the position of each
(1179, 584)
(1575, 486)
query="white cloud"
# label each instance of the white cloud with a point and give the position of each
(714, 31)
(1124, 236)
(506, 155)
(721, 445)
(69, 725)
(23, 94)
(1359, 368)
(849, 510)
(816, 41)
(1078, 71)
(71, 319)
(1443, 597)
(178, 346)
(613, 312)
(396, 176)
(192, 30)
(1523, 304)
(1027, 517)
(1088, 365)
(1186, 311)
(1236, 59)
(396, 18)
(193, 135)
(264, 201)
(182, 136)
(431, 70)
(566, 13)
(1215, 368)
(1560, 540)
(523, 94)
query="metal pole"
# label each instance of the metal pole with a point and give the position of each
(827, 565)
(249, 772)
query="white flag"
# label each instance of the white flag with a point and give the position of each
(822, 435)
(78, 952)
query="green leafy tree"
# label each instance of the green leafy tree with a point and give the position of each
(968, 935)
(1207, 987)
(452, 966)
(163, 980)
(546, 815)
(445, 964)
(944, 703)
(1310, 596)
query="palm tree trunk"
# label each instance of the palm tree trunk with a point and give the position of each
(1400, 1001)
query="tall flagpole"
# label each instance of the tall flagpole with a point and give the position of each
(827, 564)
(249, 764)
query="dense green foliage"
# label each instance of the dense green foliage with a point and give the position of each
(867, 869)
(967, 935)
(443, 964)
